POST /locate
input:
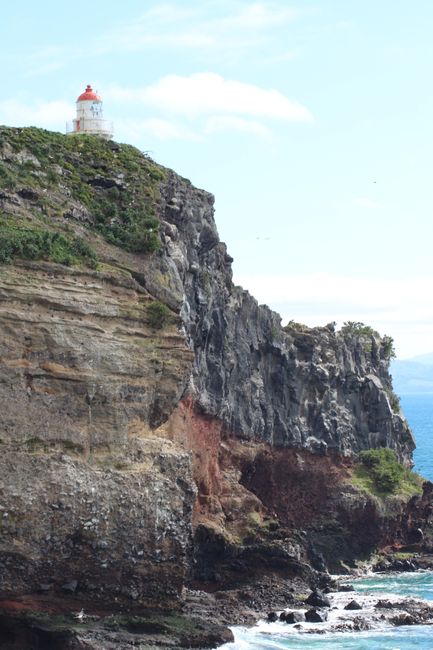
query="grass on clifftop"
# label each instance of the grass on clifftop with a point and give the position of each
(105, 187)
(41, 244)
(379, 473)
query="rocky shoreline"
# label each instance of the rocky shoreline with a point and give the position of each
(349, 611)
(325, 604)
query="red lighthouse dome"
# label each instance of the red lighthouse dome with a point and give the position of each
(89, 95)
(89, 119)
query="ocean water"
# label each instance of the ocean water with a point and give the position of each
(418, 410)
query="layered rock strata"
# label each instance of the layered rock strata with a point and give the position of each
(143, 395)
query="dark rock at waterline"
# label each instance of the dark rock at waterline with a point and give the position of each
(325, 582)
(353, 605)
(411, 612)
(318, 599)
(385, 604)
(394, 564)
(346, 588)
(273, 616)
(404, 619)
(355, 625)
(404, 565)
(313, 616)
(360, 624)
(292, 617)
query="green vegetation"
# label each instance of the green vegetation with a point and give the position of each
(254, 519)
(384, 469)
(394, 402)
(39, 244)
(293, 325)
(116, 185)
(357, 329)
(158, 315)
(353, 328)
(380, 473)
(401, 555)
(388, 347)
(140, 237)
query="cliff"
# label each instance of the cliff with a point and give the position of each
(159, 427)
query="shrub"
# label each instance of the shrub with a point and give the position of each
(116, 183)
(354, 328)
(384, 469)
(388, 347)
(145, 239)
(39, 244)
(394, 401)
(158, 314)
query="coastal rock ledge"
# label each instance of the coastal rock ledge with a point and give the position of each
(168, 449)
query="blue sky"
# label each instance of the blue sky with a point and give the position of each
(311, 122)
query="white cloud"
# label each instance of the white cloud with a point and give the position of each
(221, 123)
(163, 129)
(49, 115)
(366, 203)
(158, 128)
(394, 306)
(209, 93)
(191, 108)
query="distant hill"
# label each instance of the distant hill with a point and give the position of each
(424, 359)
(413, 375)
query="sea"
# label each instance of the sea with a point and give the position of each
(418, 409)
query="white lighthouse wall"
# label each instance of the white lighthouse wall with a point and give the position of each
(89, 109)
(90, 120)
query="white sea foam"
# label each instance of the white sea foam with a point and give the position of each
(311, 636)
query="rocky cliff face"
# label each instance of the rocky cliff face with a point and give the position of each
(142, 393)
(299, 387)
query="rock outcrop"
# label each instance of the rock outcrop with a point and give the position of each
(298, 387)
(143, 396)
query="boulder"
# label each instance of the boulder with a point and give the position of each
(318, 599)
(353, 605)
(404, 619)
(293, 617)
(385, 604)
(313, 616)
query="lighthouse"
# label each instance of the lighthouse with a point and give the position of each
(89, 118)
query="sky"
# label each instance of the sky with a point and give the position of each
(311, 123)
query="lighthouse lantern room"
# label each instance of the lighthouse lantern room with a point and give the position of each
(89, 118)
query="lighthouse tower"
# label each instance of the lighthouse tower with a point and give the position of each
(89, 118)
